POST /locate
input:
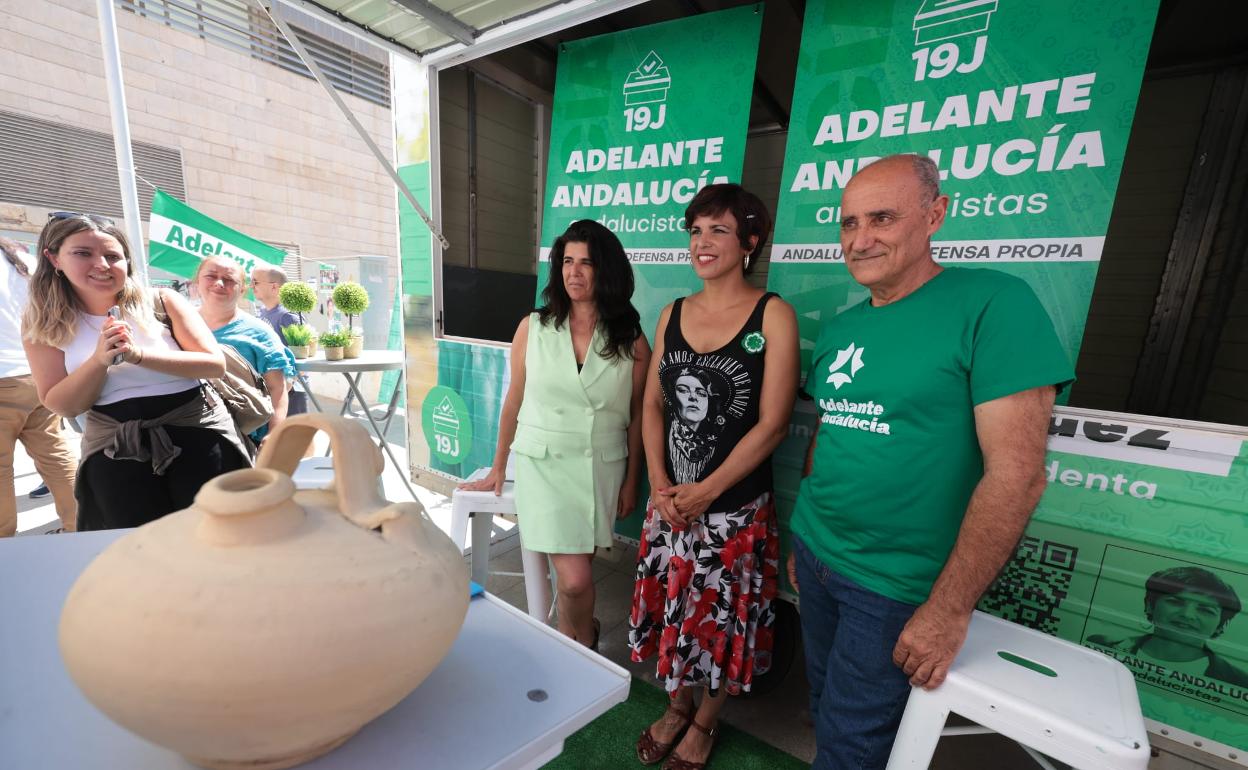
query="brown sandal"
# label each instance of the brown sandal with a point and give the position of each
(650, 751)
(676, 763)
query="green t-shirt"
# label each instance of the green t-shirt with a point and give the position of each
(897, 457)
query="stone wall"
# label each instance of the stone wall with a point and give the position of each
(264, 149)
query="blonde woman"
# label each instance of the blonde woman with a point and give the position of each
(153, 434)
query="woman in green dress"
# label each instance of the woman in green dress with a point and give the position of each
(572, 415)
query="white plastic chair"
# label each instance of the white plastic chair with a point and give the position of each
(1052, 697)
(481, 507)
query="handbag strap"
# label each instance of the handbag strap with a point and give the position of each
(162, 314)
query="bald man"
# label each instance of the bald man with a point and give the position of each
(934, 398)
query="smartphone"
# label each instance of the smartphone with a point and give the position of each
(115, 313)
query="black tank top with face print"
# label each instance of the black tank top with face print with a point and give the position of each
(710, 401)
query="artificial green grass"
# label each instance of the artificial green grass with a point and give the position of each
(608, 742)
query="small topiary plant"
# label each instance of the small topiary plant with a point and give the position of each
(336, 339)
(352, 299)
(297, 297)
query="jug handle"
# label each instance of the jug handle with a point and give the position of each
(357, 463)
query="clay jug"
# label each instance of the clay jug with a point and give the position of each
(262, 627)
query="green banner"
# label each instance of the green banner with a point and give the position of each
(179, 238)
(1025, 107)
(1137, 550)
(459, 417)
(642, 120)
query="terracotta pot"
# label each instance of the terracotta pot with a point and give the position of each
(354, 348)
(262, 627)
(334, 354)
(300, 351)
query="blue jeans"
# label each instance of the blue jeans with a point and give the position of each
(857, 694)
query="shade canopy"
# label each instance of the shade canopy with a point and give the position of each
(444, 32)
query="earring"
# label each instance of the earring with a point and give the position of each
(58, 272)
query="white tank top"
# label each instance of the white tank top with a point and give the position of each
(12, 303)
(125, 380)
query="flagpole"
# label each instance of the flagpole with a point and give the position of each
(121, 139)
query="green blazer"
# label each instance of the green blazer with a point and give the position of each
(571, 442)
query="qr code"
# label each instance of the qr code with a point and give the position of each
(1033, 584)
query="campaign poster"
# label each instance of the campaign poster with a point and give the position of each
(642, 120)
(1025, 107)
(1136, 550)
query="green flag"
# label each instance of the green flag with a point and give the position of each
(179, 238)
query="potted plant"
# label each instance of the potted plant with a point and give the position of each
(298, 298)
(297, 338)
(335, 343)
(352, 299)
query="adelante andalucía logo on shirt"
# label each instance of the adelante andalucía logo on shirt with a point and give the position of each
(849, 357)
(843, 413)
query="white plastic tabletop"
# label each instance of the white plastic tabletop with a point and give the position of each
(369, 361)
(483, 707)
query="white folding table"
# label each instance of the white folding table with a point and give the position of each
(352, 369)
(506, 696)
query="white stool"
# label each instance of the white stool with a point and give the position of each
(481, 507)
(1053, 697)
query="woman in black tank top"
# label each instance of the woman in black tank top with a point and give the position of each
(715, 408)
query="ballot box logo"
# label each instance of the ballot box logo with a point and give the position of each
(447, 424)
(939, 20)
(648, 83)
(953, 35)
(645, 94)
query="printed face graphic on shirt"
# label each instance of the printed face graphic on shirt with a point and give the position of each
(700, 394)
(692, 397)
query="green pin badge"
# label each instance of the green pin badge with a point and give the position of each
(754, 342)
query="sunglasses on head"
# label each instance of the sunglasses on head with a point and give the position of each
(96, 218)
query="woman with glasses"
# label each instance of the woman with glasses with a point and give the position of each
(221, 282)
(153, 435)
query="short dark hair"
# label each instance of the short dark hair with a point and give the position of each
(1176, 580)
(753, 219)
(618, 320)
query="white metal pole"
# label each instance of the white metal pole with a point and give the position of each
(121, 138)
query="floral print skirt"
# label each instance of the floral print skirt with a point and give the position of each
(702, 598)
